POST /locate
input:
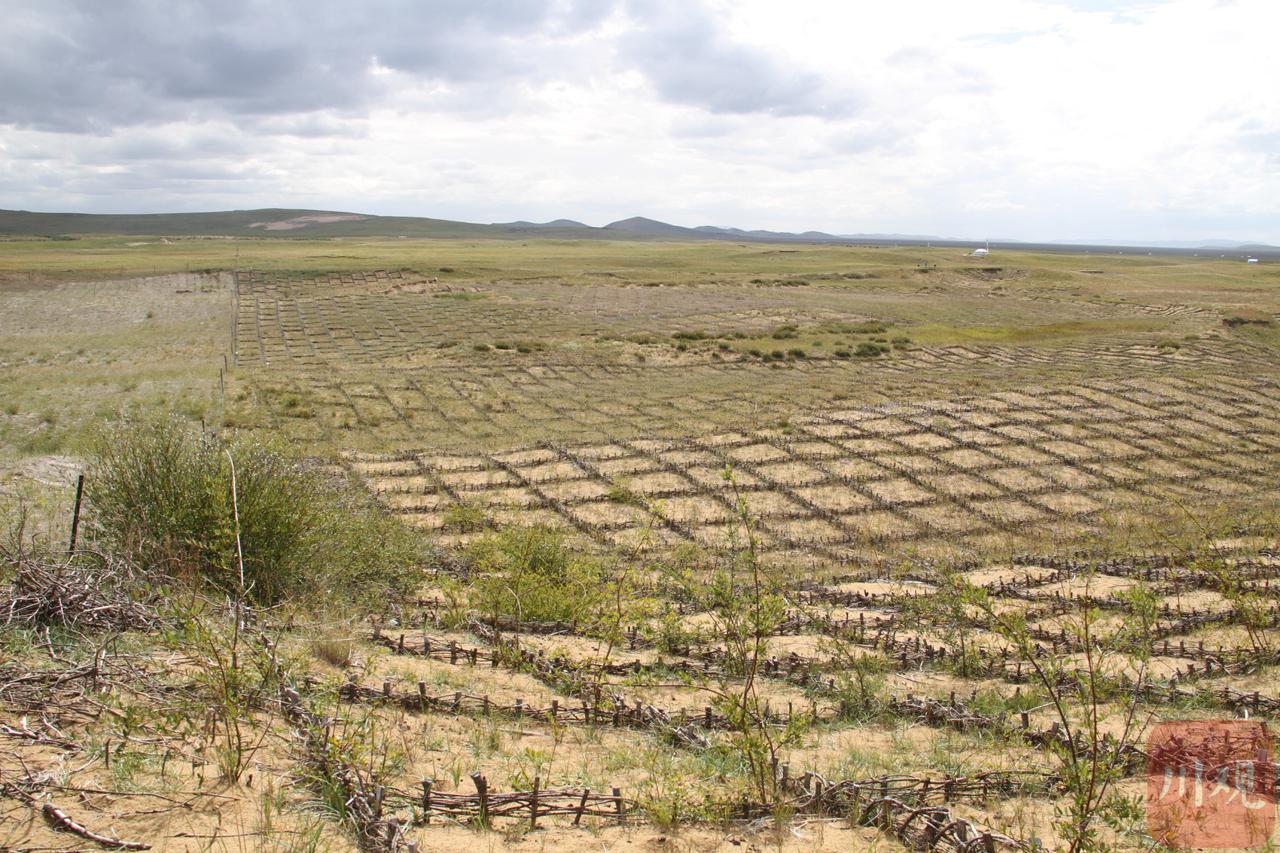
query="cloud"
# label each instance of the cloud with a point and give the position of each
(688, 59)
(88, 66)
(1026, 118)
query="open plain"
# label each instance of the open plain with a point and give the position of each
(857, 546)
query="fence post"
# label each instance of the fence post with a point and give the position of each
(393, 830)
(426, 801)
(482, 788)
(75, 514)
(582, 804)
(533, 803)
(617, 801)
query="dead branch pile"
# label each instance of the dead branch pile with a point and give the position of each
(84, 592)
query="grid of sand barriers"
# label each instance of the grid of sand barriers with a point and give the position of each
(875, 474)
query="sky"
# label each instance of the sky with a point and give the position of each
(1023, 119)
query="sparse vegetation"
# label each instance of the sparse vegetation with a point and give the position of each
(940, 565)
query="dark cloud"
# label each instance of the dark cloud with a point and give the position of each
(88, 66)
(688, 59)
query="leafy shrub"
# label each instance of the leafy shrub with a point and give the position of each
(869, 350)
(621, 493)
(158, 487)
(796, 352)
(530, 574)
(465, 518)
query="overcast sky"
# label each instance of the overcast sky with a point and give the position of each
(1031, 119)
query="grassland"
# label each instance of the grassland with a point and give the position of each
(913, 437)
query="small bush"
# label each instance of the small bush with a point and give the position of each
(777, 355)
(481, 347)
(335, 651)
(621, 493)
(843, 353)
(867, 350)
(465, 518)
(796, 352)
(160, 489)
(532, 575)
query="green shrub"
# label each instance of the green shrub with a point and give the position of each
(867, 350)
(530, 574)
(156, 486)
(796, 352)
(465, 518)
(621, 493)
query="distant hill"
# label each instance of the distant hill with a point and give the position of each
(270, 222)
(555, 223)
(654, 228)
(1229, 245)
(287, 222)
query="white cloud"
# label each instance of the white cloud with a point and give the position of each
(1023, 118)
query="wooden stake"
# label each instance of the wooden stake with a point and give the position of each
(482, 788)
(533, 803)
(75, 514)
